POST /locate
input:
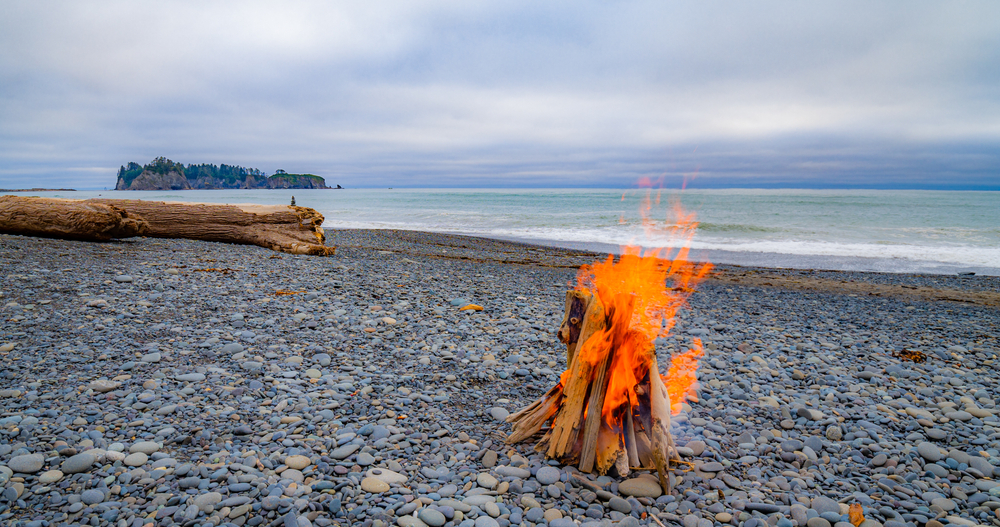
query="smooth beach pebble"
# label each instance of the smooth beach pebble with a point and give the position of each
(297, 462)
(486, 480)
(28, 463)
(50, 476)
(79, 463)
(92, 496)
(146, 447)
(374, 485)
(136, 460)
(103, 385)
(640, 488)
(929, 451)
(547, 475)
(498, 413)
(386, 475)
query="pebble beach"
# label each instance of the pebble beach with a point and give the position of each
(178, 382)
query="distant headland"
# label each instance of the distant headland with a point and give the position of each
(37, 190)
(164, 174)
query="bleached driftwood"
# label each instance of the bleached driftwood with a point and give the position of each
(284, 228)
(67, 218)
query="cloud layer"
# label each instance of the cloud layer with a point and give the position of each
(508, 94)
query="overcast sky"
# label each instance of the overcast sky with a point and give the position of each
(508, 94)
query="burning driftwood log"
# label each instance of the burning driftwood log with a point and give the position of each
(67, 218)
(612, 408)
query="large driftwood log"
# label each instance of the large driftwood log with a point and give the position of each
(284, 228)
(67, 218)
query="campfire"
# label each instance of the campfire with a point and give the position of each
(611, 408)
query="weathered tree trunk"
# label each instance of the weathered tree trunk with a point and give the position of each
(282, 228)
(67, 218)
(285, 228)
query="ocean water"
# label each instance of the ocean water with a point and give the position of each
(868, 230)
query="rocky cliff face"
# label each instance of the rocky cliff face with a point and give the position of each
(154, 181)
(210, 183)
(295, 181)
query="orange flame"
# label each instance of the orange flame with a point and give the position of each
(680, 379)
(641, 293)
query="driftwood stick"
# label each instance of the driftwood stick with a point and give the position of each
(577, 303)
(595, 407)
(599, 386)
(621, 464)
(565, 426)
(609, 448)
(630, 442)
(659, 403)
(528, 421)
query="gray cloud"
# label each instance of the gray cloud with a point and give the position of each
(510, 94)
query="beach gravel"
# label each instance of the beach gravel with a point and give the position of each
(177, 382)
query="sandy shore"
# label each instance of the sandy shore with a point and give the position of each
(178, 382)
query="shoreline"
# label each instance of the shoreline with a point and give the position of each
(976, 289)
(202, 383)
(38, 190)
(934, 244)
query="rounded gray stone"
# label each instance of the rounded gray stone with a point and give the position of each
(547, 475)
(823, 504)
(206, 502)
(937, 434)
(92, 496)
(620, 504)
(146, 447)
(946, 504)
(929, 451)
(27, 464)
(499, 413)
(432, 517)
(136, 459)
(486, 521)
(151, 357)
(343, 452)
(817, 522)
(78, 463)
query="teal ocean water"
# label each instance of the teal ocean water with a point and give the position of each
(871, 230)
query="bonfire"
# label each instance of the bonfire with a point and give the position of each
(611, 408)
